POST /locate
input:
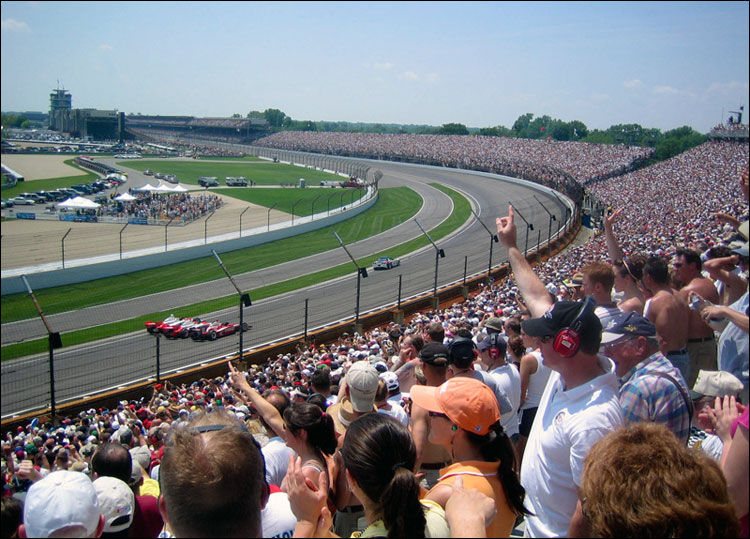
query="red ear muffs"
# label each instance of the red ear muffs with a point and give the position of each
(568, 340)
(494, 349)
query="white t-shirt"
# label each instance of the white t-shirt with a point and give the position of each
(396, 411)
(567, 424)
(277, 517)
(276, 453)
(509, 380)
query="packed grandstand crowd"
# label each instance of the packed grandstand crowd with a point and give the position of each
(666, 206)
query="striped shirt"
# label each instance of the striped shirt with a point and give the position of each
(645, 396)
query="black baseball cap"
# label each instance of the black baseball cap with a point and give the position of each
(561, 316)
(434, 353)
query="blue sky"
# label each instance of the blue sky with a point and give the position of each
(659, 64)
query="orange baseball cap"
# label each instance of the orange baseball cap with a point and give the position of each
(467, 402)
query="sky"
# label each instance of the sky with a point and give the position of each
(660, 64)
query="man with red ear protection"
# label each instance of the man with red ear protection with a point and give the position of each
(580, 404)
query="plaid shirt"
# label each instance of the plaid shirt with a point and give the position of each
(645, 396)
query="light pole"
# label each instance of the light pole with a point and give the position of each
(205, 228)
(361, 272)
(567, 210)
(312, 207)
(549, 231)
(243, 213)
(244, 301)
(121, 231)
(493, 239)
(269, 215)
(529, 226)
(54, 341)
(439, 253)
(293, 205)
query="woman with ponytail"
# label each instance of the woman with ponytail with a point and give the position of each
(304, 427)
(379, 457)
(465, 419)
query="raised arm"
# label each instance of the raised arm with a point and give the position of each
(613, 248)
(267, 410)
(532, 288)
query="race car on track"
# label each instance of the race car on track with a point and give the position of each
(214, 330)
(385, 262)
(172, 326)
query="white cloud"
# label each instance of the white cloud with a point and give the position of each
(409, 75)
(635, 83)
(723, 87)
(665, 90)
(12, 25)
(383, 66)
(106, 48)
(432, 77)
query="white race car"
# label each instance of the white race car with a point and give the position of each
(385, 262)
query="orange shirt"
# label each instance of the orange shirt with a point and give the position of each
(483, 477)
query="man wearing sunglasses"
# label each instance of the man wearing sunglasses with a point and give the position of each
(651, 388)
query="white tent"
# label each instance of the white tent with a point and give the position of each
(125, 197)
(179, 189)
(78, 203)
(163, 188)
(147, 187)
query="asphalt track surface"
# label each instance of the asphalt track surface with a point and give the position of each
(90, 368)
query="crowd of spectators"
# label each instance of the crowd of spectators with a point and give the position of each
(525, 158)
(185, 206)
(669, 205)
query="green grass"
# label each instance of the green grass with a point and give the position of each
(395, 205)
(50, 184)
(461, 212)
(283, 198)
(264, 173)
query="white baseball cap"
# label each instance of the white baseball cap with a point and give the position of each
(716, 384)
(116, 502)
(61, 500)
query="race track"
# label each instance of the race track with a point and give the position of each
(90, 368)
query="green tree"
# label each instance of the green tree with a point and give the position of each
(274, 117)
(453, 129)
(522, 123)
(579, 130)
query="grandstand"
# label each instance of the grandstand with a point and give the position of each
(235, 130)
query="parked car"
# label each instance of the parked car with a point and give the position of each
(236, 182)
(208, 182)
(148, 172)
(82, 189)
(21, 201)
(36, 199)
(385, 262)
(7, 203)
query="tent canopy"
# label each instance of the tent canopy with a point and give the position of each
(126, 197)
(78, 202)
